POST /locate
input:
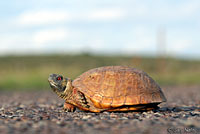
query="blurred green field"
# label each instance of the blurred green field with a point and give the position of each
(31, 72)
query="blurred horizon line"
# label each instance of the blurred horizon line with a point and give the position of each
(89, 53)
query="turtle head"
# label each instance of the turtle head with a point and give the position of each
(60, 85)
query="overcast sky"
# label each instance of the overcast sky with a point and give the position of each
(100, 26)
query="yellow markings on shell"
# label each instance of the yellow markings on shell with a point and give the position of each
(131, 100)
(107, 88)
(118, 101)
(106, 102)
(96, 100)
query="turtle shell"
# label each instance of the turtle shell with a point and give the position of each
(115, 86)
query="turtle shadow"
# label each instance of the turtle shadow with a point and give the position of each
(178, 109)
(158, 109)
(165, 109)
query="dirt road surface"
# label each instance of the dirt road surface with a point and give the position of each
(41, 112)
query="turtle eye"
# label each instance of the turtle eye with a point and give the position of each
(59, 78)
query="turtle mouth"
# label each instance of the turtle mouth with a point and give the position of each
(56, 87)
(53, 86)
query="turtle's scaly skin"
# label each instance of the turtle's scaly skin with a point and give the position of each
(115, 88)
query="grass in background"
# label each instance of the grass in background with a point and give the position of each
(31, 72)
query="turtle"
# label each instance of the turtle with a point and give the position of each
(108, 88)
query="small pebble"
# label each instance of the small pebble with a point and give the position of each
(86, 117)
(123, 118)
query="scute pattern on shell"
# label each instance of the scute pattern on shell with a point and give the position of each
(114, 86)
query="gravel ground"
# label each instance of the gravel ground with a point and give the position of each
(41, 112)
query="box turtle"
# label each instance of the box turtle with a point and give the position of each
(110, 88)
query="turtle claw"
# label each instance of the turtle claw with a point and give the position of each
(68, 107)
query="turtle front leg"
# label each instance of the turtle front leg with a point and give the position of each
(82, 100)
(69, 107)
